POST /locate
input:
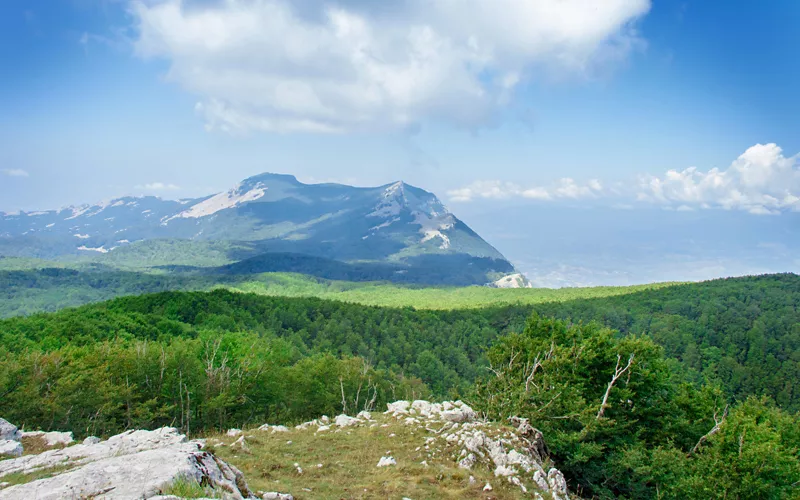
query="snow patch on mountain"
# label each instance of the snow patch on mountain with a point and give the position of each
(222, 201)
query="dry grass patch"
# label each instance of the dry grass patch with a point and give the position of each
(342, 463)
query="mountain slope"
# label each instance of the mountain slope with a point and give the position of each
(395, 224)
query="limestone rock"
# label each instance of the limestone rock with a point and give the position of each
(10, 448)
(132, 465)
(345, 421)
(9, 431)
(91, 440)
(386, 461)
(53, 438)
(274, 495)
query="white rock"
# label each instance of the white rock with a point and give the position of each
(324, 420)
(273, 428)
(53, 438)
(10, 448)
(503, 471)
(323, 428)
(135, 464)
(91, 440)
(558, 485)
(364, 415)
(386, 461)
(9, 431)
(540, 478)
(274, 495)
(488, 487)
(398, 407)
(233, 432)
(345, 421)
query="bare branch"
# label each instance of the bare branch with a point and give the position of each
(718, 421)
(618, 372)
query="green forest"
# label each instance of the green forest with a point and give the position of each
(684, 391)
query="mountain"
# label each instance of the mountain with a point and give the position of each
(398, 226)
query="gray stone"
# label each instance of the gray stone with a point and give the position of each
(9, 431)
(10, 448)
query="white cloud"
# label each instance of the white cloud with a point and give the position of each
(14, 172)
(761, 181)
(563, 188)
(159, 186)
(342, 65)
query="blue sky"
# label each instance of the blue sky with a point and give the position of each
(87, 115)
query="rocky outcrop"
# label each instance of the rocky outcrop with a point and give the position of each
(132, 465)
(51, 439)
(10, 436)
(516, 456)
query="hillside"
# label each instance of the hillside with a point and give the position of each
(395, 232)
(28, 287)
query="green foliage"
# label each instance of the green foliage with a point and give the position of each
(640, 443)
(743, 333)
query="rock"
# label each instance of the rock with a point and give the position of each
(91, 440)
(503, 471)
(233, 432)
(558, 485)
(134, 464)
(386, 461)
(540, 478)
(322, 428)
(398, 407)
(467, 462)
(273, 428)
(364, 415)
(241, 444)
(10, 448)
(53, 438)
(345, 421)
(488, 487)
(9, 431)
(274, 495)
(324, 420)
(463, 413)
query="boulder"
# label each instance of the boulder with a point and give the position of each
(53, 438)
(386, 461)
(132, 465)
(274, 495)
(364, 415)
(9, 431)
(233, 432)
(91, 440)
(10, 448)
(345, 421)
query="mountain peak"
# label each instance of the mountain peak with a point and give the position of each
(268, 177)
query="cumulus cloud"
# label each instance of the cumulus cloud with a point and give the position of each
(343, 65)
(761, 181)
(159, 186)
(565, 188)
(14, 172)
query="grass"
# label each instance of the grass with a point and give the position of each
(342, 463)
(41, 473)
(187, 487)
(389, 295)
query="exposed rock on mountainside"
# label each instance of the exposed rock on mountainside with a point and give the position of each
(132, 465)
(516, 280)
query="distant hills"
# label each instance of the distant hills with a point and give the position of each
(269, 222)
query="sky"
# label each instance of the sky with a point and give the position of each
(541, 105)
